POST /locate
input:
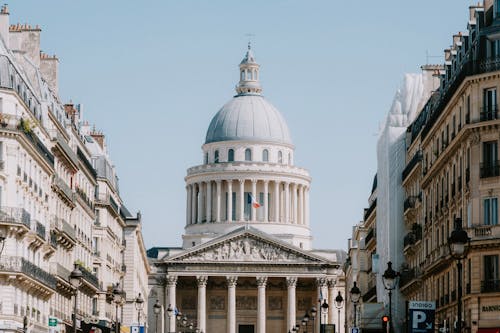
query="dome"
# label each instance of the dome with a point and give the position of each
(248, 117)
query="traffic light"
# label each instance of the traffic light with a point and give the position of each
(385, 323)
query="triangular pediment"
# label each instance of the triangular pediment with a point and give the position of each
(247, 246)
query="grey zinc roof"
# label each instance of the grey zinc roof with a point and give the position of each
(248, 117)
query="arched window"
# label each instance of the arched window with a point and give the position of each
(206, 158)
(216, 156)
(265, 155)
(242, 76)
(230, 155)
(248, 154)
(280, 157)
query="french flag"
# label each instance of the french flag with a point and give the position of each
(255, 203)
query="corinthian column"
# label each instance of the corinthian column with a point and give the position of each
(217, 208)
(188, 204)
(231, 304)
(291, 283)
(294, 199)
(261, 304)
(171, 285)
(276, 201)
(266, 200)
(202, 302)
(193, 203)
(331, 297)
(200, 202)
(287, 202)
(242, 200)
(229, 200)
(209, 202)
(254, 194)
(321, 282)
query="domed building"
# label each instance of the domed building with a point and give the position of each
(246, 262)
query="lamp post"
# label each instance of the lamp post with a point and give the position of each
(139, 304)
(458, 244)
(355, 295)
(157, 310)
(305, 321)
(339, 302)
(118, 297)
(313, 316)
(390, 280)
(75, 278)
(169, 311)
(323, 309)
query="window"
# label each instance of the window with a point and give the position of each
(280, 157)
(216, 156)
(230, 155)
(242, 76)
(490, 283)
(206, 158)
(489, 167)
(490, 211)
(265, 155)
(248, 154)
(489, 110)
(497, 9)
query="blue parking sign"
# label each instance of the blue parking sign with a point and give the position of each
(421, 315)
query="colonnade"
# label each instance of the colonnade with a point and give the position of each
(326, 290)
(281, 202)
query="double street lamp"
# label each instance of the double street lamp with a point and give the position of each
(323, 308)
(390, 281)
(355, 295)
(157, 310)
(339, 302)
(458, 244)
(118, 297)
(75, 278)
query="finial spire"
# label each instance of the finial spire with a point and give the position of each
(249, 45)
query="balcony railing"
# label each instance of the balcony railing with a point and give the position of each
(21, 265)
(413, 162)
(409, 203)
(61, 142)
(370, 235)
(64, 188)
(15, 215)
(370, 209)
(489, 113)
(490, 286)
(40, 229)
(89, 276)
(64, 226)
(409, 275)
(490, 169)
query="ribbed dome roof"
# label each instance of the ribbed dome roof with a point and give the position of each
(248, 117)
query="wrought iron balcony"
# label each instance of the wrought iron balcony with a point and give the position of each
(490, 286)
(21, 265)
(489, 113)
(89, 277)
(64, 149)
(40, 229)
(370, 235)
(370, 209)
(63, 188)
(15, 215)
(411, 165)
(490, 169)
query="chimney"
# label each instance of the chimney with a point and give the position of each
(26, 39)
(98, 137)
(4, 24)
(49, 66)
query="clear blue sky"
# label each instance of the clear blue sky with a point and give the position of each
(152, 74)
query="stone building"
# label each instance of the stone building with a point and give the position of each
(58, 198)
(246, 263)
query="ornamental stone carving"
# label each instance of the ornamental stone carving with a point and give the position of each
(331, 283)
(231, 281)
(202, 280)
(245, 249)
(261, 281)
(291, 281)
(321, 282)
(171, 280)
(246, 303)
(275, 303)
(217, 303)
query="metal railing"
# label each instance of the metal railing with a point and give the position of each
(88, 276)
(15, 215)
(413, 162)
(40, 229)
(64, 226)
(21, 265)
(65, 147)
(490, 169)
(61, 184)
(370, 235)
(370, 209)
(490, 286)
(488, 113)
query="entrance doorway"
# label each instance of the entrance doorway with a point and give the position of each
(246, 329)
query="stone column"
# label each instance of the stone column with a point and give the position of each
(294, 200)
(291, 283)
(331, 296)
(242, 199)
(266, 200)
(188, 204)
(218, 204)
(229, 207)
(306, 208)
(254, 194)
(261, 304)
(301, 205)
(287, 202)
(209, 202)
(202, 302)
(276, 201)
(171, 285)
(231, 304)
(200, 202)
(193, 203)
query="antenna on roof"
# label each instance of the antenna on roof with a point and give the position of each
(249, 37)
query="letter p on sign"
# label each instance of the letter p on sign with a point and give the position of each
(418, 317)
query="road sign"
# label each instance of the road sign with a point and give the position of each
(421, 316)
(354, 330)
(136, 329)
(52, 322)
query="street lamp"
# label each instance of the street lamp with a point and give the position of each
(139, 304)
(339, 302)
(355, 295)
(390, 280)
(75, 278)
(313, 316)
(305, 320)
(458, 244)
(170, 310)
(118, 298)
(323, 308)
(157, 310)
